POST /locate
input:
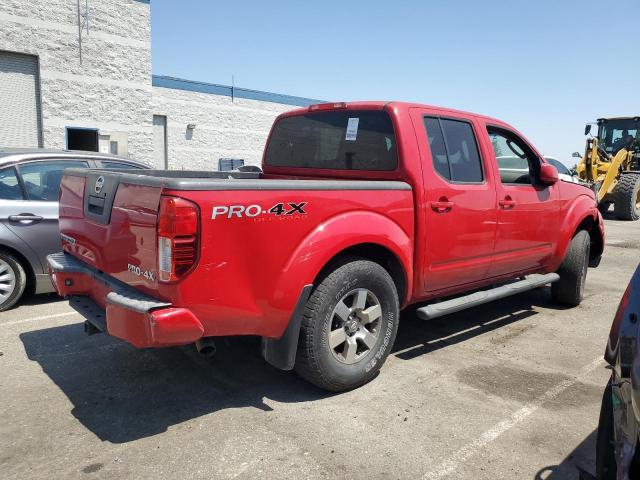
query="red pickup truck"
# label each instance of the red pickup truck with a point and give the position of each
(361, 210)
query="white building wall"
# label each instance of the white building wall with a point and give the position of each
(111, 89)
(224, 128)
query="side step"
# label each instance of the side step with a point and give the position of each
(478, 298)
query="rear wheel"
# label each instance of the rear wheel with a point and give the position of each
(349, 326)
(13, 280)
(569, 290)
(627, 206)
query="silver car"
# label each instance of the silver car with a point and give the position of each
(29, 186)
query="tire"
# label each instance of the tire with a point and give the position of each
(606, 468)
(627, 204)
(13, 280)
(339, 312)
(604, 207)
(569, 290)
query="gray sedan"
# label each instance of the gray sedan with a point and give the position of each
(29, 186)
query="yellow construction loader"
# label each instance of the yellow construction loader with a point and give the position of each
(611, 165)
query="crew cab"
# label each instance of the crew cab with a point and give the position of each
(361, 210)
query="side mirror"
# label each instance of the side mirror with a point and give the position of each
(548, 174)
(576, 155)
(587, 129)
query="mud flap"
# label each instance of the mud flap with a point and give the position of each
(281, 352)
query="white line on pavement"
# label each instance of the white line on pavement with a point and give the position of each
(35, 319)
(450, 465)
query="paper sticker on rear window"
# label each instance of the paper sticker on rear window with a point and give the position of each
(352, 129)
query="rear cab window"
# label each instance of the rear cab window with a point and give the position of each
(334, 140)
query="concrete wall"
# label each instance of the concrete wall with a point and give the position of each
(224, 128)
(111, 89)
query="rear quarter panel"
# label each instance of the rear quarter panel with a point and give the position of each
(252, 268)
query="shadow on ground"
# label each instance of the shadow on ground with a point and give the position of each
(417, 337)
(580, 464)
(123, 394)
(41, 299)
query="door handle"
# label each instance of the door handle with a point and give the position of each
(507, 202)
(443, 205)
(26, 218)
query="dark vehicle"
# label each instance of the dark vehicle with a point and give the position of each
(29, 189)
(617, 449)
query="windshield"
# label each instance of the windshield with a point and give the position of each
(614, 134)
(337, 140)
(559, 165)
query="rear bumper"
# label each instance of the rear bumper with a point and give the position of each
(119, 310)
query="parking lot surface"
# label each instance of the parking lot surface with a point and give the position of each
(507, 390)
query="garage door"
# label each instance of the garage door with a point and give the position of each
(20, 124)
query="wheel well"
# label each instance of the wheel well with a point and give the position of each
(376, 253)
(31, 278)
(595, 239)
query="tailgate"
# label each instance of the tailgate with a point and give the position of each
(109, 223)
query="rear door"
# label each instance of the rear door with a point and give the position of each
(34, 218)
(528, 212)
(459, 201)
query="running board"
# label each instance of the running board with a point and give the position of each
(478, 298)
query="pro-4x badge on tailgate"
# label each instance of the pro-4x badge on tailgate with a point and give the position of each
(230, 211)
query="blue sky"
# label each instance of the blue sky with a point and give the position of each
(534, 64)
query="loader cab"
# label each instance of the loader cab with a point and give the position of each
(617, 133)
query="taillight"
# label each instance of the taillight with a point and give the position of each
(177, 238)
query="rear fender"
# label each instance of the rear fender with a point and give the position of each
(335, 235)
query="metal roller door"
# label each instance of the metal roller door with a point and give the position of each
(20, 124)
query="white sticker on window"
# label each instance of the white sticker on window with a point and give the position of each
(352, 129)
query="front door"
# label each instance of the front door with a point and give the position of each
(459, 204)
(528, 217)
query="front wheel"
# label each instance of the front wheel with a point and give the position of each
(569, 290)
(627, 191)
(349, 326)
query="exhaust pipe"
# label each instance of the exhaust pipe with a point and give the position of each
(206, 346)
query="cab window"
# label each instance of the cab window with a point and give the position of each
(517, 164)
(454, 150)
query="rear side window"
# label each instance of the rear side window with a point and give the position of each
(9, 186)
(337, 140)
(454, 150)
(42, 179)
(119, 165)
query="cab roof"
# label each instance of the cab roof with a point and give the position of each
(379, 105)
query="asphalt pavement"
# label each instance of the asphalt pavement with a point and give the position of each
(507, 390)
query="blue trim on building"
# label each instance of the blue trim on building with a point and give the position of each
(226, 90)
(147, 2)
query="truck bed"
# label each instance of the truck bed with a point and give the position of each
(260, 240)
